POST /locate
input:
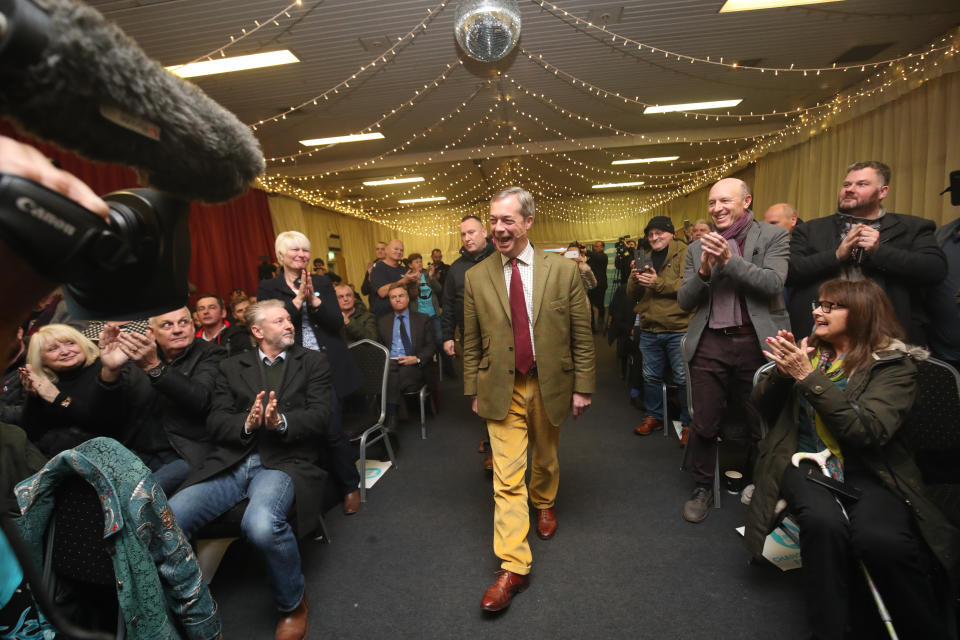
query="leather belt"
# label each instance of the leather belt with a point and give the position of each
(745, 330)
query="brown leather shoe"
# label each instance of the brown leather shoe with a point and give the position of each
(507, 585)
(351, 502)
(648, 426)
(488, 461)
(683, 436)
(293, 624)
(483, 446)
(546, 523)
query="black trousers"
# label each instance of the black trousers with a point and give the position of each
(342, 456)
(881, 531)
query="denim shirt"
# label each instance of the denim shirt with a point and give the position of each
(148, 543)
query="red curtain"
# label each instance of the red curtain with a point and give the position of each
(226, 239)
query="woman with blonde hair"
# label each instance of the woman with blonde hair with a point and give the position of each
(71, 396)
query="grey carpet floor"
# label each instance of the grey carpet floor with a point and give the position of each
(415, 561)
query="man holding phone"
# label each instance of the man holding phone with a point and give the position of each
(654, 281)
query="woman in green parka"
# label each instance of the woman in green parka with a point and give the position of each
(848, 388)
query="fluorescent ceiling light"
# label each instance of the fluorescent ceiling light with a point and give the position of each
(613, 185)
(413, 200)
(234, 63)
(376, 183)
(643, 160)
(353, 137)
(693, 106)
(751, 5)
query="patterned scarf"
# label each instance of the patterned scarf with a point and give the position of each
(822, 437)
(725, 309)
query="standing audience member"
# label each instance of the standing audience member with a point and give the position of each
(782, 215)
(476, 247)
(321, 269)
(213, 317)
(409, 335)
(597, 260)
(944, 300)
(527, 367)
(270, 410)
(169, 388)
(587, 278)
(439, 268)
(862, 240)
(72, 388)
(653, 287)
(379, 251)
(12, 395)
(733, 280)
(699, 229)
(311, 302)
(846, 395)
(358, 323)
(387, 273)
(429, 291)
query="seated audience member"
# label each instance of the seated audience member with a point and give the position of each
(782, 215)
(311, 302)
(700, 228)
(170, 385)
(213, 317)
(358, 323)
(439, 267)
(847, 394)
(239, 301)
(944, 300)
(321, 269)
(236, 338)
(12, 395)
(72, 395)
(653, 286)
(586, 273)
(389, 272)
(269, 417)
(863, 240)
(379, 251)
(409, 335)
(428, 295)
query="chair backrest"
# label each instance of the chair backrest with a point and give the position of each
(931, 424)
(372, 359)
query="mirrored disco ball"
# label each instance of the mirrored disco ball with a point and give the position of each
(487, 29)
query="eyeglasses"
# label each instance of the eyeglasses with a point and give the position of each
(828, 306)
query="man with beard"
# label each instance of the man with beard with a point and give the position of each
(268, 420)
(862, 240)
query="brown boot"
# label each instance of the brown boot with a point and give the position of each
(507, 585)
(293, 624)
(648, 426)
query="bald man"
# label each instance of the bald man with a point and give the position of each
(387, 273)
(733, 279)
(782, 215)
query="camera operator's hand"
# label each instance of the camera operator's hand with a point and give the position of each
(141, 349)
(23, 160)
(38, 385)
(112, 357)
(647, 278)
(412, 276)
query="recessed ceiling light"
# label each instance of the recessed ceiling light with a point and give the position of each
(613, 185)
(751, 5)
(643, 160)
(353, 137)
(413, 200)
(376, 183)
(234, 63)
(692, 106)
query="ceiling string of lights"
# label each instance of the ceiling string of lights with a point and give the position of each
(938, 46)
(387, 56)
(234, 39)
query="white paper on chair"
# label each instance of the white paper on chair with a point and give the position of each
(779, 548)
(375, 471)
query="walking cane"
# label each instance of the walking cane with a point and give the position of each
(821, 460)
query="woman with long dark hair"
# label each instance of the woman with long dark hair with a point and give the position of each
(846, 390)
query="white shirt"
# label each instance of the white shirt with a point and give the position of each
(525, 265)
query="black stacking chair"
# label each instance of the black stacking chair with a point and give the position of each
(365, 420)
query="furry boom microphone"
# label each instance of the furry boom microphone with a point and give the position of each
(70, 77)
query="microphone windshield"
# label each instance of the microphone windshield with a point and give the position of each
(92, 90)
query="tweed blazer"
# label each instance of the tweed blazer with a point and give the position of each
(759, 275)
(562, 337)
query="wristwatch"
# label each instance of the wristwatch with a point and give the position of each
(156, 372)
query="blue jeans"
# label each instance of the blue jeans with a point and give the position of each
(169, 475)
(656, 349)
(264, 523)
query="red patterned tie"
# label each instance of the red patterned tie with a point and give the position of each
(523, 347)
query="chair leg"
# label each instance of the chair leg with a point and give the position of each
(667, 427)
(324, 537)
(423, 413)
(716, 481)
(363, 467)
(386, 442)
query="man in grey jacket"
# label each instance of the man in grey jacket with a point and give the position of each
(733, 278)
